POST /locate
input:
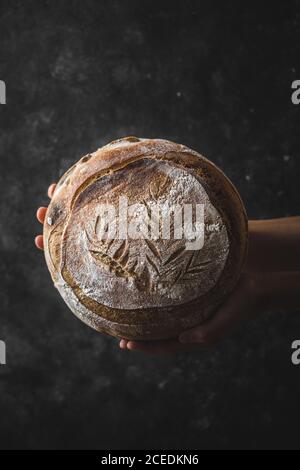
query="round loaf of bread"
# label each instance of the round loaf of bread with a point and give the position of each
(144, 238)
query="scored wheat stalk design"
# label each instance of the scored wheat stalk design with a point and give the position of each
(169, 260)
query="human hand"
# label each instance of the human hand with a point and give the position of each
(40, 215)
(242, 304)
(269, 281)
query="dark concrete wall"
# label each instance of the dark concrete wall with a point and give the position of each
(213, 75)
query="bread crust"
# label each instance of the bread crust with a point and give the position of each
(77, 189)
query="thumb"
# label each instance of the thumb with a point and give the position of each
(229, 314)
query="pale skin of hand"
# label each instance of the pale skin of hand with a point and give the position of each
(271, 280)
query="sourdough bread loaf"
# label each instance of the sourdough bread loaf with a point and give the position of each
(120, 257)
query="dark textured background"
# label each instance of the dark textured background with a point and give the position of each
(213, 75)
